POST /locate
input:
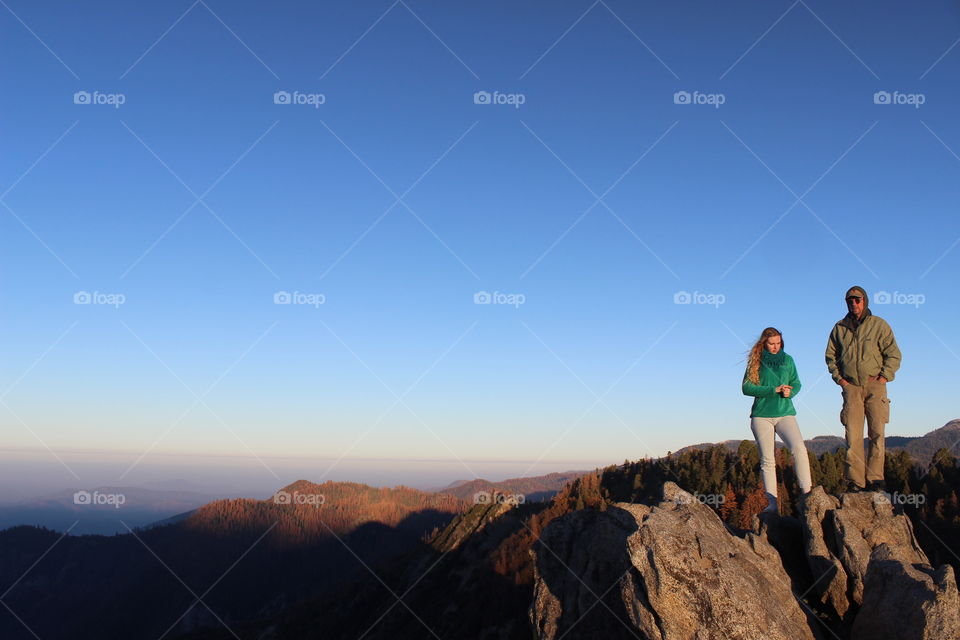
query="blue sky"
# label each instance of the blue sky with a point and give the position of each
(394, 193)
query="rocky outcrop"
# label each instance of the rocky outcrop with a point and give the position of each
(579, 569)
(877, 580)
(665, 572)
(829, 586)
(841, 539)
(905, 600)
(470, 523)
(850, 569)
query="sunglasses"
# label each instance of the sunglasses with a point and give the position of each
(854, 299)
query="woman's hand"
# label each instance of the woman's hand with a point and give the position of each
(785, 390)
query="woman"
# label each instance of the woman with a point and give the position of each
(771, 378)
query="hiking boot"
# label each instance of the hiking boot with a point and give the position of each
(877, 485)
(853, 487)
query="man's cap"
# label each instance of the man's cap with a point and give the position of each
(855, 291)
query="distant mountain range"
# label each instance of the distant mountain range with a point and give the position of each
(920, 448)
(535, 489)
(147, 507)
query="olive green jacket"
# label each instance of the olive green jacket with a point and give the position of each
(857, 353)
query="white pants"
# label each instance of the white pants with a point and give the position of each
(786, 427)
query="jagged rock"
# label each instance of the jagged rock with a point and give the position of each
(907, 601)
(864, 522)
(830, 578)
(786, 535)
(669, 572)
(578, 561)
(840, 537)
(673, 571)
(469, 523)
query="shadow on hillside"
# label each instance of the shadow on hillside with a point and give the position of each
(421, 594)
(138, 586)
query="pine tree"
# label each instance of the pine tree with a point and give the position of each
(752, 505)
(729, 507)
(832, 478)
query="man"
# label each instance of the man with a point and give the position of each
(862, 356)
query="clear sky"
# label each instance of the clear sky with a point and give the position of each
(172, 170)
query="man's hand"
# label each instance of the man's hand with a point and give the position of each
(843, 382)
(881, 380)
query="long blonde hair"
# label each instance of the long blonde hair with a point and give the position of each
(753, 359)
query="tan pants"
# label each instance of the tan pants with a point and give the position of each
(868, 401)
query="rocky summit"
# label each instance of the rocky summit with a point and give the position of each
(850, 568)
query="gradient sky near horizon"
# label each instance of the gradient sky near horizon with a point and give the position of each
(754, 158)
